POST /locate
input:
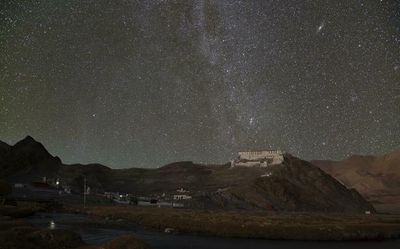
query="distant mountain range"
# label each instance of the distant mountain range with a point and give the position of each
(376, 177)
(295, 185)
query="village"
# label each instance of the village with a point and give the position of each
(56, 189)
(52, 190)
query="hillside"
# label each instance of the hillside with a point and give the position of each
(376, 177)
(295, 185)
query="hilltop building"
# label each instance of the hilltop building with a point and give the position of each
(263, 158)
(182, 197)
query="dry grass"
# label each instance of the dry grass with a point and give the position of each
(293, 226)
(17, 212)
(126, 242)
(18, 234)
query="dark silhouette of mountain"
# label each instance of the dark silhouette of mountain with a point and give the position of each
(26, 157)
(98, 176)
(377, 178)
(294, 185)
(4, 147)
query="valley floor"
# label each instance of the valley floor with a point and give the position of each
(18, 233)
(260, 225)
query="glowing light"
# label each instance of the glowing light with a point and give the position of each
(251, 121)
(52, 225)
(320, 27)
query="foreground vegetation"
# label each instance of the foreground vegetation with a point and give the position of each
(286, 226)
(15, 233)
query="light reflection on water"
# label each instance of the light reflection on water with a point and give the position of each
(94, 231)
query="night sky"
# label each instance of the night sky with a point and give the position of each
(143, 83)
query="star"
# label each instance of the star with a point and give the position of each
(251, 121)
(320, 27)
(146, 83)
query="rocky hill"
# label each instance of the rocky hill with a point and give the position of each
(295, 185)
(26, 158)
(377, 178)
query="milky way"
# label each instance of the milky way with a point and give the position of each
(144, 83)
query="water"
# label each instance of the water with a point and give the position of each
(98, 231)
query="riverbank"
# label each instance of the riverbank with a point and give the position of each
(17, 233)
(259, 225)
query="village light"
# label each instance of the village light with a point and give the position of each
(52, 225)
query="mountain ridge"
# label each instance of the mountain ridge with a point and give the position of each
(294, 185)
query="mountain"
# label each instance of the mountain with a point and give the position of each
(297, 185)
(27, 157)
(294, 185)
(4, 147)
(28, 160)
(377, 178)
(98, 177)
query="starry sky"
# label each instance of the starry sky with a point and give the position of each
(135, 83)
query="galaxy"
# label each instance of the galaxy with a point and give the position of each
(144, 83)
